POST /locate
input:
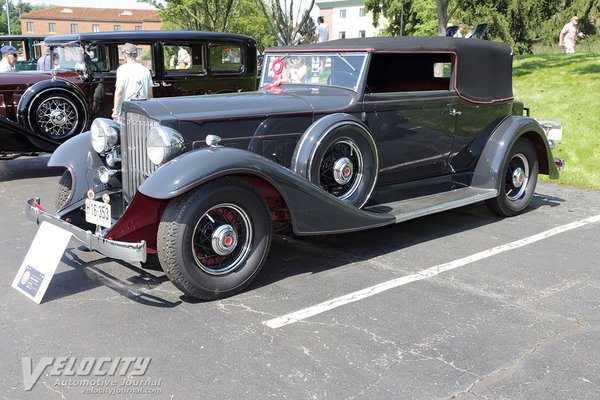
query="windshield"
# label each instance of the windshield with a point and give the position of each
(68, 57)
(329, 69)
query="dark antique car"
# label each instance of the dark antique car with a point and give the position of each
(41, 109)
(376, 131)
(30, 46)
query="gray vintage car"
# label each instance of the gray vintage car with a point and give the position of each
(344, 135)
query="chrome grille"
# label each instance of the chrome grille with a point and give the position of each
(134, 161)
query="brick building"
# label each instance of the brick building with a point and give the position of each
(61, 20)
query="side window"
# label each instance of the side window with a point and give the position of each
(391, 73)
(98, 56)
(226, 58)
(144, 55)
(181, 58)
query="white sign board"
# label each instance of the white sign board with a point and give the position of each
(41, 261)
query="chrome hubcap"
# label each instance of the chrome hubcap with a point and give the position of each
(517, 177)
(58, 118)
(224, 240)
(343, 170)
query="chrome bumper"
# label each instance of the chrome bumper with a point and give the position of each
(111, 248)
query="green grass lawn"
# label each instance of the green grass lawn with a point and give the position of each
(566, 87)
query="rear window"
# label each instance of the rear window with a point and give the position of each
(226, 58)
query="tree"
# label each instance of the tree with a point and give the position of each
(249, 20)
(309, 30)
(198, 15)
(284, 20)
(15, 15)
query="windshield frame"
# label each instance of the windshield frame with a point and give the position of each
(349, 68)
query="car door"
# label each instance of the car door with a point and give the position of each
(411, 111)
(185, 70)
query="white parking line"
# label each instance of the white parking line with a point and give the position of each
(427, 273)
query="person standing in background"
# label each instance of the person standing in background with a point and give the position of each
(9, 58)
(134, 81)
(322, 30)
(569, 34)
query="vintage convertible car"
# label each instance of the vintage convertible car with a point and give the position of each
(345, 135)
(41, 109)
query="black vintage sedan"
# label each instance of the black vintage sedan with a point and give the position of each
(344, 135)
(42, 109)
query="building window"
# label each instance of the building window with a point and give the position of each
(117, 28)
(362, 34)
(95, 28)
(342, 35)
(342, 13)
(74, 28)
(51, 27)
(361, 12)
(138, 27)
(30, 27)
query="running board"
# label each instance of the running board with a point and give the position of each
(421, 206)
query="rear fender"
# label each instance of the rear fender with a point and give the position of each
(312, 210)
(488, 172)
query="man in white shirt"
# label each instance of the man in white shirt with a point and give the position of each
(9, 58)
(568, 35)
(322, 30)
(134, 81)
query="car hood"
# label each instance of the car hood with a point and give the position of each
(284, 100)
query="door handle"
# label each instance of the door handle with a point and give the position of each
(165, 84)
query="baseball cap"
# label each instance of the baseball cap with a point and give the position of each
(9, 50)
(129, 48)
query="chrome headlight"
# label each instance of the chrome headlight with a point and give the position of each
(104, 134)
(164, 144)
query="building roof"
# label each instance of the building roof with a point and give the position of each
(93, 14)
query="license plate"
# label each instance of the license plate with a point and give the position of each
(97, 213)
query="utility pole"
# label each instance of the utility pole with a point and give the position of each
(401, 18)
(8, 19)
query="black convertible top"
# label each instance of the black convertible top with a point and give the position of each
(483, 68)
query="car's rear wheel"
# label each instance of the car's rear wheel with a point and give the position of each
(213, 240)
(519, 179)
(57, 115)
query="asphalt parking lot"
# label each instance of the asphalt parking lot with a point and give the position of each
(459, 305)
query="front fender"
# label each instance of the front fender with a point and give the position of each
(80, 158)
(313, 211)
(488, 171)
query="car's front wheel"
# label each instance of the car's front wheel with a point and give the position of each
(213, 240)
(57, 115)
(519, 179)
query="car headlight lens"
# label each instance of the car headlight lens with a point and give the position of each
(104, 134)
(164, 144)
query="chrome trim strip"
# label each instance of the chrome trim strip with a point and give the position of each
(125, 251)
